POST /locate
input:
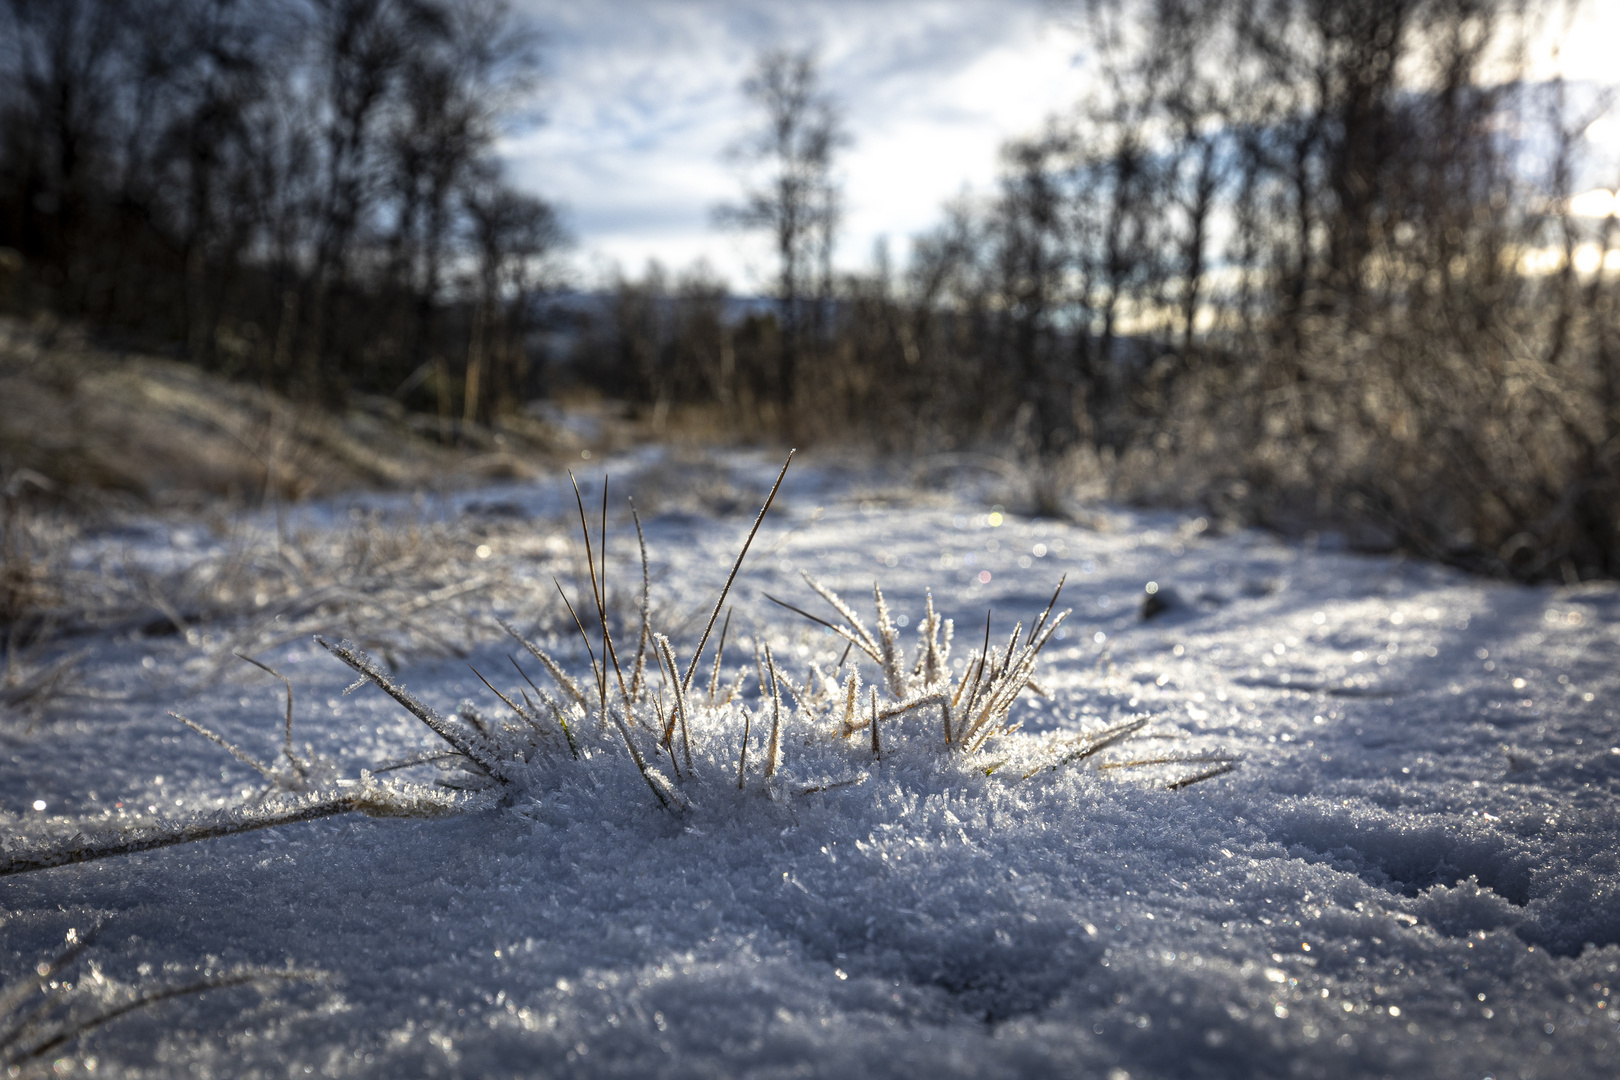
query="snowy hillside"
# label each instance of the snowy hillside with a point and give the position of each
(1411, 871)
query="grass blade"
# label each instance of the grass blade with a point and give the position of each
(292, 758)
(715, 614)
(773, 750)
(638, 668)
(470, 743)
(237, 753)
(558, 675)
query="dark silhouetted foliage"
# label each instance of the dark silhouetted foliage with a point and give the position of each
(300, 192)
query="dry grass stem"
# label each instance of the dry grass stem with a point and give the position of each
(719, 655)
(726, 590)
(773, 751)
(467, 740)
(287, 750)
(363, 796)
(681, 708)
(742, 755)
(638, 667)
(1085, 745)
(568, 685)
(1208, 774)
(47, 1010)
(877, 743)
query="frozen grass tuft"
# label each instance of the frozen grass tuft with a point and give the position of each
(693, 746)
(69, 996)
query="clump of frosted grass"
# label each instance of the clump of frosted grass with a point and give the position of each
(30, 684)
(70, 995)
(694, 745)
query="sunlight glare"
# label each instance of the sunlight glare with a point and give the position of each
(1597, 203)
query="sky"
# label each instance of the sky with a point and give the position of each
(641, 99)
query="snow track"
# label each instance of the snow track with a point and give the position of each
(1413, 871)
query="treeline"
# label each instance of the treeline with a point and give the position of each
(1312, 263)
(300, 192)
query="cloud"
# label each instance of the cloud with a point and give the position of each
(641, 100)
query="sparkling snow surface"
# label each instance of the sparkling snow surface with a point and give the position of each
(1413, 871)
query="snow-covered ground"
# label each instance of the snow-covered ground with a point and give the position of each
(1413, 871)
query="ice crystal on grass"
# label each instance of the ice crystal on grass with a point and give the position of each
(302, 774)
(925, 714)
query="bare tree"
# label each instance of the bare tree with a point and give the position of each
(272, 186)
(512, 234)
(64, 64)
(1031, 254)
(797, 199)
(457, 84)
(362, 46)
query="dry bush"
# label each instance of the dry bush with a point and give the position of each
(1473, 446)
(93, 423)
(1268, 267)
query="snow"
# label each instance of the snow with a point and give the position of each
(1413, 869)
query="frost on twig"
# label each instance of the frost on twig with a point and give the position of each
(467, 740)
(567, 684)
(365, 796)
(64, 999)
